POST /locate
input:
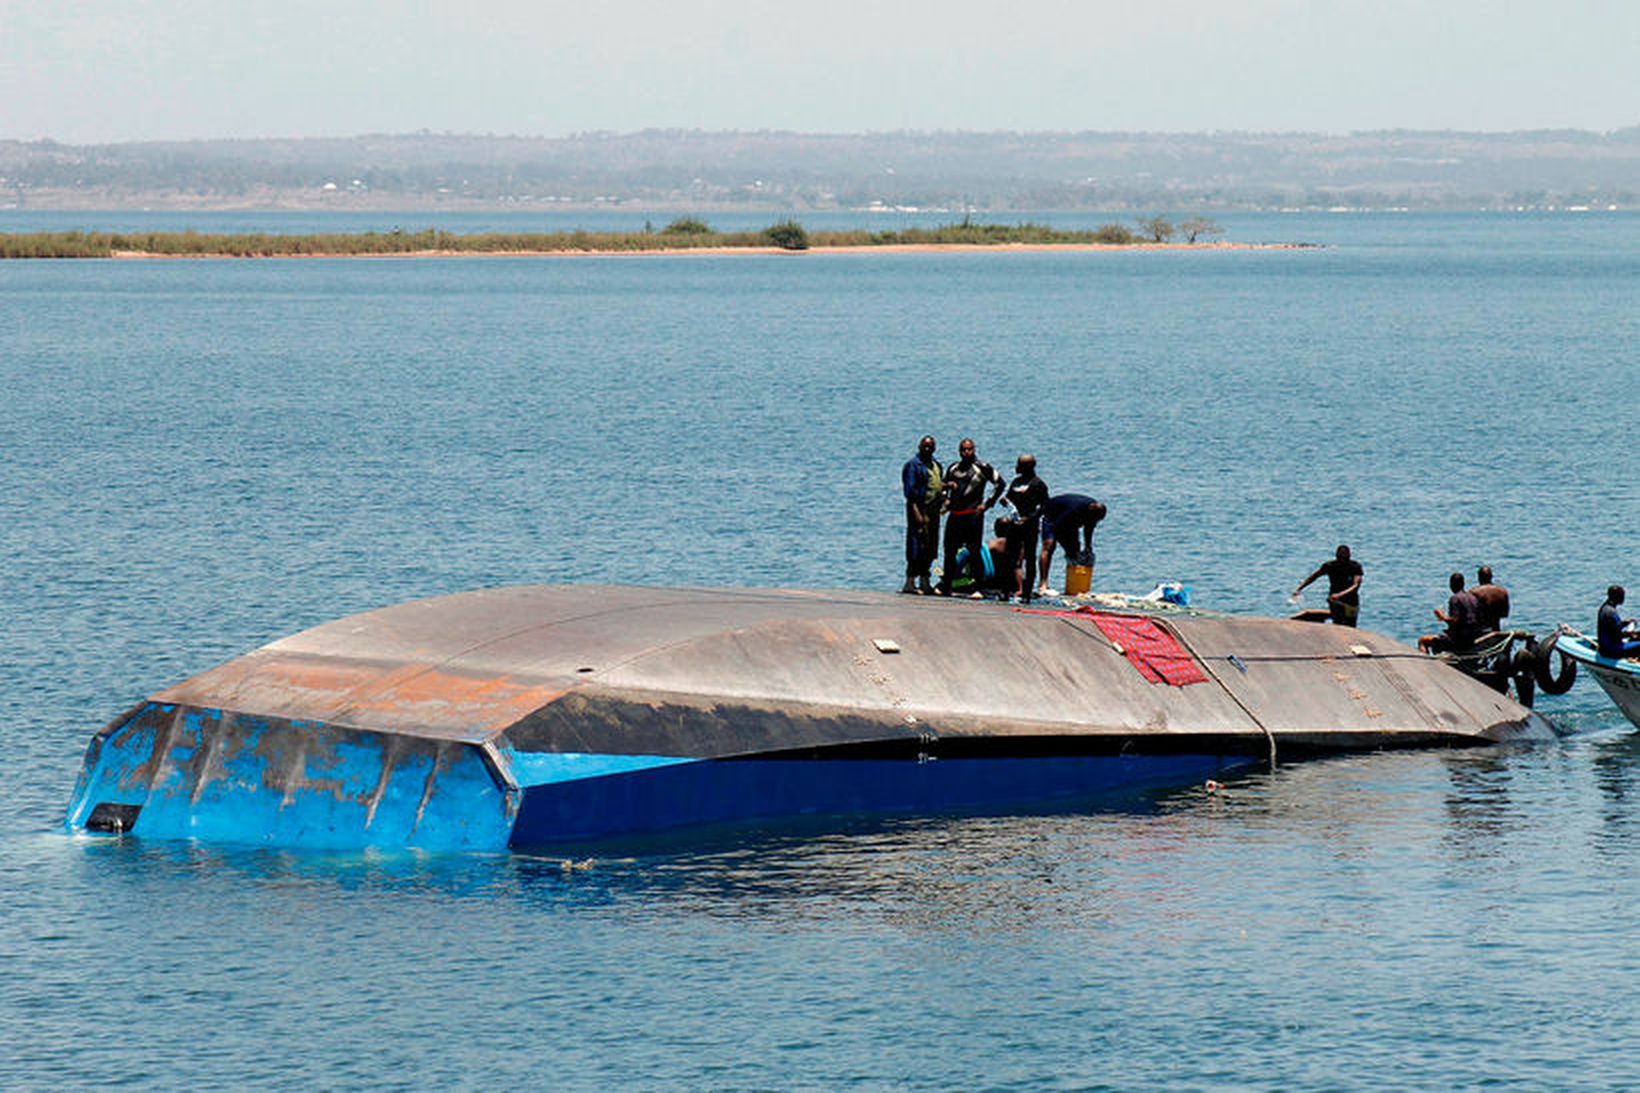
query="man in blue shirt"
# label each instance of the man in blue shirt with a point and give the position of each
(1616, 634)
(924, 488)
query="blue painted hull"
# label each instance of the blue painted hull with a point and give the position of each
(717, 792)
(172, 773)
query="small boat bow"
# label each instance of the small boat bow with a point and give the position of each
(1620, 679)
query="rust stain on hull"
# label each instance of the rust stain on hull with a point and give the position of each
(419, 699)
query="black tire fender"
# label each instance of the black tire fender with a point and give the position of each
(1523, 669)
(1550, 683)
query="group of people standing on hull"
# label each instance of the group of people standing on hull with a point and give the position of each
(1009, 564)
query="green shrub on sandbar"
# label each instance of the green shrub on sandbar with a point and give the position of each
(1114, 235)
(787, 235)
(687, 225)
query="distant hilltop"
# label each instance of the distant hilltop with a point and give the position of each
(796, 172)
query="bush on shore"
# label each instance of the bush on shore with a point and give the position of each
(787, 235)
(687, 225)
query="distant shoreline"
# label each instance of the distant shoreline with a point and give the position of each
(686, 235)
(661, 252)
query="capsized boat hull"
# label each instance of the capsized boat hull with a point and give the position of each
(549, 714)
(1620, 679)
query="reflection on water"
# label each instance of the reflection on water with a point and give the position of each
(1615, 759)
(1478, 801)
(1272, 911)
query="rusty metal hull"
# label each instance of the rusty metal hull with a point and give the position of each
(546, 714)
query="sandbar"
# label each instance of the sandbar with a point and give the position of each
(653, 252)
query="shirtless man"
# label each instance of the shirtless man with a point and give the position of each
(1494, 600)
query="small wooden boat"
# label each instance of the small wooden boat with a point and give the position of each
(1618, 678)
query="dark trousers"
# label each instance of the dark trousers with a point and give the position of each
(1023, 538)
(963, 529)
(922, 543)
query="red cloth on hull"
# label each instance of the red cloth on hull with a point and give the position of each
(1148, 645)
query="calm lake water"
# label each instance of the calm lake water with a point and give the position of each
(202, 456)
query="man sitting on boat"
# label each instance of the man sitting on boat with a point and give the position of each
(1462, 617)
(1615, 634)
(1493, 598)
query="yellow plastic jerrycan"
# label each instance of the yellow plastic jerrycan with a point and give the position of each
(1078, 579)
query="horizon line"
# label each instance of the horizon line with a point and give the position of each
(676, 131)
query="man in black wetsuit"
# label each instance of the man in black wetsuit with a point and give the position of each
(1068, 520)
(1462, 617)
(1343, 587)
(1027, 496)
(965, 506)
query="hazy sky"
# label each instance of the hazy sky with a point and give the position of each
(111, 70)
